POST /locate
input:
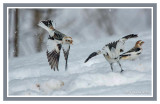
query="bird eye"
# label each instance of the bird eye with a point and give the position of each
(67, 40)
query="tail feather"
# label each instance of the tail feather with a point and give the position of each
(130, 36)
(46, 24)
(92, 55)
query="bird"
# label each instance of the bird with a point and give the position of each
(56, 41)
(112, 50)
(134, 52)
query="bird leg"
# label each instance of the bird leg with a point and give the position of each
(111, 66)
(120, 66)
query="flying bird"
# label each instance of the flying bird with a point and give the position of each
(134, 52)
(112, 51)
(56, 41)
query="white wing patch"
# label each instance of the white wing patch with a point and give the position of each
(52, 45)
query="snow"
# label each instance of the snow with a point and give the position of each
(31, 75)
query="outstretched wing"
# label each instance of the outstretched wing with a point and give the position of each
(120, 44)
(46, 24)
(115, 48)
(53, 53)
(131, 54)
(66, 49)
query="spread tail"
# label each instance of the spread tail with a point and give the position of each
(92, 55)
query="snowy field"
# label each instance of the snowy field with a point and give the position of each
(31, 75)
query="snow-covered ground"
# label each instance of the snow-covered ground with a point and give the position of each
(31, 75)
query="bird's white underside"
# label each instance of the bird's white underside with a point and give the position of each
(52, 45)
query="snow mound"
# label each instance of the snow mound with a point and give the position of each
(105, 79)
(50, 85)
(35, 87)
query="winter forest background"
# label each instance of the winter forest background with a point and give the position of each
(29, 72)
(26, 37)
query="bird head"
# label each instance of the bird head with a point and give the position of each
(67, 40)
(139, 43)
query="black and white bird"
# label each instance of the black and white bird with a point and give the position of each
(56, 41)
(133, 53)
(112, 51)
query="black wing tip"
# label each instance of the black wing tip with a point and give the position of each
(53, 59)
(47, 22)
(131, 36)
(86, 60)
(66, 65)
(90, 56)
(54, 69)
(134, 35)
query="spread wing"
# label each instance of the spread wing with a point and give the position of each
(132, 52)
(115, 48)
(53, 53)
(66, 49)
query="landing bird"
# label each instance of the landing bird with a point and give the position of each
(134, 52)
(112, 50)
(56, 41)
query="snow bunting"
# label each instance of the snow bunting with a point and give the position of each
(56, 41)
(134, 52)
(112, 50)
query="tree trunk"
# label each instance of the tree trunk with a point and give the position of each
(16, 37)
(38, 40)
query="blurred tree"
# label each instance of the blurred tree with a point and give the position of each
(16, 35)
(105, 20)
(37, 19)
(10, 17)
(148, 16)
(26, 37)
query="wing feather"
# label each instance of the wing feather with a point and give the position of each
(115, 48)
(66, 49)
(53, 53)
